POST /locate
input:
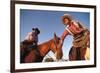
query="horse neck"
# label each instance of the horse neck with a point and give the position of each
(45, 47)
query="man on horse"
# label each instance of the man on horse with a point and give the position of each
(31, 41)
(80, 37)
(32, 37)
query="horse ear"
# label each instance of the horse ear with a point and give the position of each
(55, 36)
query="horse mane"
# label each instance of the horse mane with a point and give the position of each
(45, 49)
(46, 42)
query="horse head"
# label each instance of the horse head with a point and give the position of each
(57, 47)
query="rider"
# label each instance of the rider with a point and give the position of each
(31, 41)
(32, 37)
(80, 37)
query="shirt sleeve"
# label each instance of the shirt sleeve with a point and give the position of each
(76, 27)
(28, 37)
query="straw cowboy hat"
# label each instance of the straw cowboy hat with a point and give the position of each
(67, 16)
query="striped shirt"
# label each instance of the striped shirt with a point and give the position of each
(72, 29)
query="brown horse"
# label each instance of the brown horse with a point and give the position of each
(37, 55)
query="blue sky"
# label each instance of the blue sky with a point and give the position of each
(49, 22)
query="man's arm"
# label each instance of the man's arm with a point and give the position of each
(64, 34)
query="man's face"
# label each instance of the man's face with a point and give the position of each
(66, 21)
(36, 32)
(33, 30)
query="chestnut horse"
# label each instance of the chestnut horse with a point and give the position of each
(37, 55)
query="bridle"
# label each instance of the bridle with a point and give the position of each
(55, 46)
